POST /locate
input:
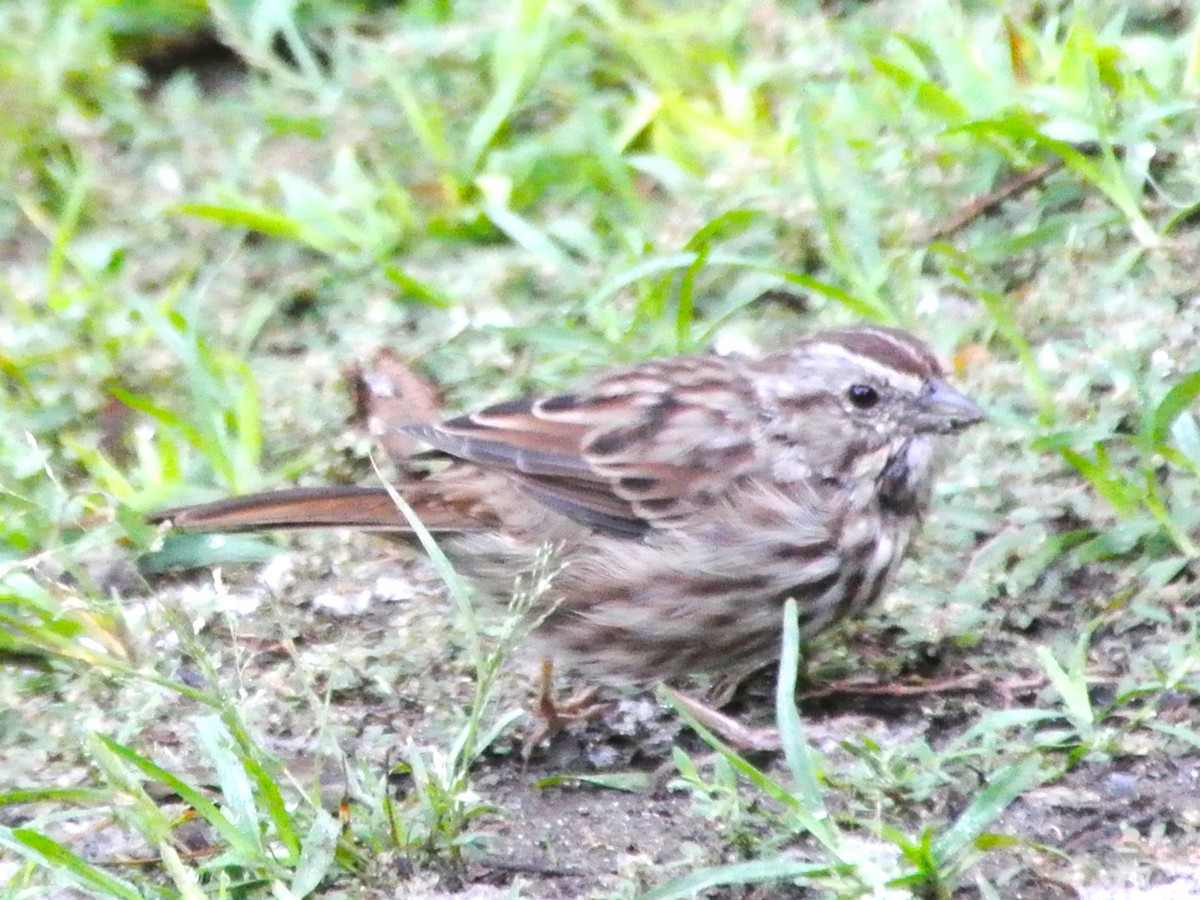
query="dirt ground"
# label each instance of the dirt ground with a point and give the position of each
(343, 654)
(349, 647)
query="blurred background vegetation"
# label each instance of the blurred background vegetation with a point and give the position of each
(210, 210)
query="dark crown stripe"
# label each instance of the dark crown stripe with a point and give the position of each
(888, 347)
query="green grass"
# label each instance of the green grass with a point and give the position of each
(512, 195)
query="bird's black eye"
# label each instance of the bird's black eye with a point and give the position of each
(863, 396)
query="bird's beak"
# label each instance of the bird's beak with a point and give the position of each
(942, 409)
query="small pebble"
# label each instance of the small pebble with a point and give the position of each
(1120, 784)
(342, 605)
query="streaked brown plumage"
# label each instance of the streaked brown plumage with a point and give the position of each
(688, 497)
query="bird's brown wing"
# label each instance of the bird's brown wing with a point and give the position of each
(634, 450)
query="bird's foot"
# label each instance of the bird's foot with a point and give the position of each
(555, 715)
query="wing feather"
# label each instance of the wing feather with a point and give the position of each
(634, 450)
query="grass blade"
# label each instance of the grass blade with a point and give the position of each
(51, 852)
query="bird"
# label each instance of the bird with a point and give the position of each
(685, 498)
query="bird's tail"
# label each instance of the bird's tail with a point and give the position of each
(363, 508)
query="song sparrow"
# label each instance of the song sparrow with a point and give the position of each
(688, 497)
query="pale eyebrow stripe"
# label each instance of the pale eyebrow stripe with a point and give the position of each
(905, 347)
(887, 373)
